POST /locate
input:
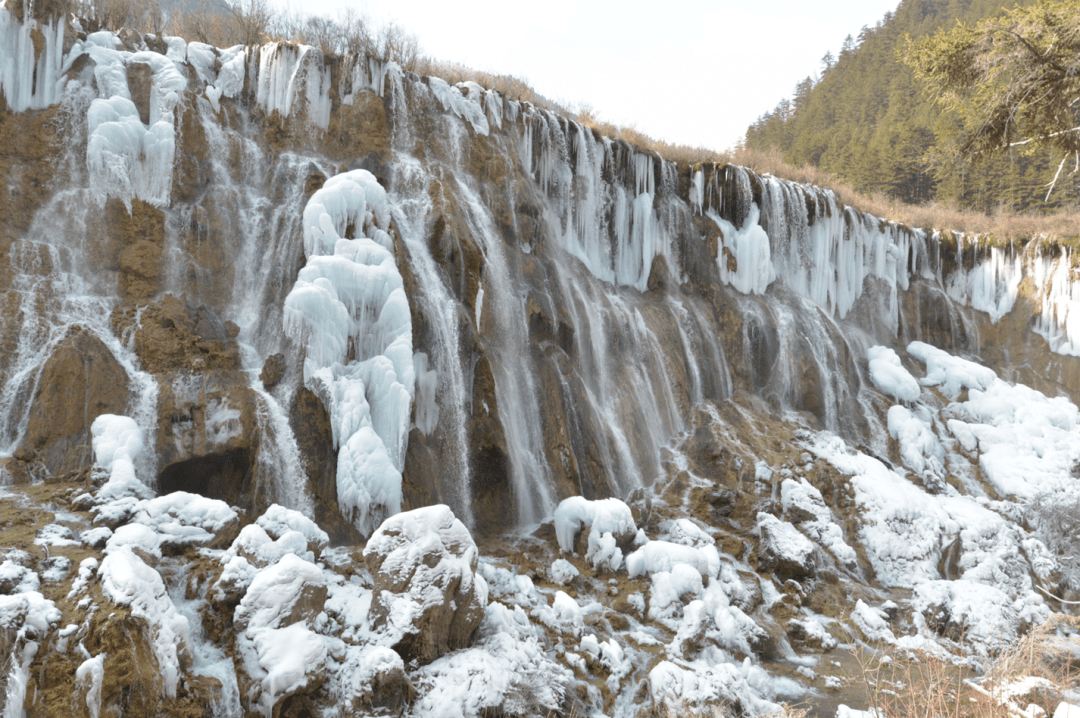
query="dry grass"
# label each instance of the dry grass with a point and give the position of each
(1002, 226)
(918, 684)
(724, 710)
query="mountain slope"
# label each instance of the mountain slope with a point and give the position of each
(868, 121)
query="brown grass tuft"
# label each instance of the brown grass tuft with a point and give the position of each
(919, 684)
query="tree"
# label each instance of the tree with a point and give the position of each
(1014, 82)
(827, 62)
(250, 20)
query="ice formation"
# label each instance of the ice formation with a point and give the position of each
(614, 214)
(291, 77)
(1059, 321)
(890, 376)
(30, 80)
(127, 157)
(349, 310)
(117, 442)
(800, 236)
(608, 520)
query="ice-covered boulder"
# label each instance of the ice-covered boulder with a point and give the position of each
(278, 520)
(280, 595)
(427, 597)
(183, 519)
(281, 655)
(611, 529)
(783, 549)
(658, 556)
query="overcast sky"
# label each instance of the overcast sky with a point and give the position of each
(687, 71)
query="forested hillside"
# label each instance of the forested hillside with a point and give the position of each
(869, 121)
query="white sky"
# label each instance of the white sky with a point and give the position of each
(687, 71)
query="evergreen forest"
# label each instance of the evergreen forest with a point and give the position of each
(868, 120)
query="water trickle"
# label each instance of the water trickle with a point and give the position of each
(412, 213)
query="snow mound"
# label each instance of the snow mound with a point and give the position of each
(656, 556)
(951, 373)
(889, 375)
(919, 447)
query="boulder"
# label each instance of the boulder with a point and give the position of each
(427, 597)
(79, 382)
(287, 592)
(382, 682)
(273, 370)
(784, 550)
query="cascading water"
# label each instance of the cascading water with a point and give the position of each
(449, 403)
(587, 276)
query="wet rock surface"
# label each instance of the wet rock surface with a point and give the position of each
(81, 380)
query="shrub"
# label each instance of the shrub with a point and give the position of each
(1055, 517)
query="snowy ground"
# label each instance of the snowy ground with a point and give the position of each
(698, 593)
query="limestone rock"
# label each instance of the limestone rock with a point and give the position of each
(273, 370)
(139, 76)
(140, 269)
(208, 436)
(425, 561)
(169, 335)
(80, 381)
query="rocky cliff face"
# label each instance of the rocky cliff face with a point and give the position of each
(328, 285)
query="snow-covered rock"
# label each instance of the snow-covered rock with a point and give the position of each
(287, 592)
(127, 581)
(611, 528)
(872, 623)
(278, 521)
(427, 597)
(804, 505)
(562, 572)
(783, 549)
